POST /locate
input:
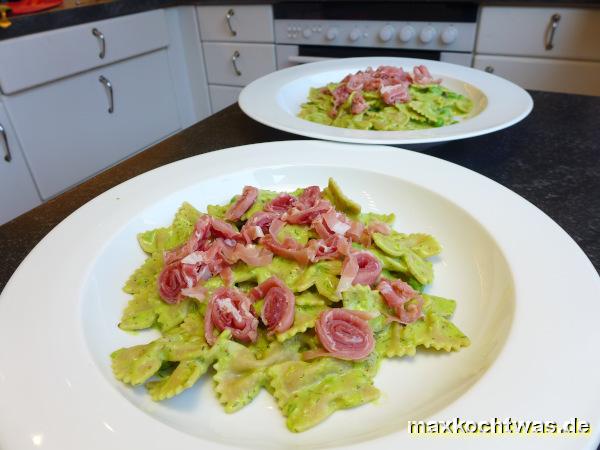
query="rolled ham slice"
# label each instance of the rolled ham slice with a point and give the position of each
(396, 294)
(278, 309)
(281, 203)
(242, 204)
(334, 247)
(258, 225)
(344, 334)
(421, 75)
(369, 268)
(195, 242)
(229, 309)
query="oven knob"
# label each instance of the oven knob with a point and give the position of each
(331, 34)
(306, 33)
(427, 34)
(449, 35)
(355, 34)
(386, 33)
(406, 33)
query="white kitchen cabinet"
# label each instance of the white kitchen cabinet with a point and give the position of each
(527, 31)
(67, 131)
(42, 57)
(248, 23)
(223, 96)
(555, 75)
(237, 64)
(17, 189)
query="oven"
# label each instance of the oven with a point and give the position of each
(307, 32)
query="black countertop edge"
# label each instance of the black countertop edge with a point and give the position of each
(60, 18)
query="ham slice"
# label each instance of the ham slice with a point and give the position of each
(369, 268)
(309, 197)
(305, 216)
(259, 221)
(242, 204)
(359, 104)
(197, 239)
(397, 294)
(229, 309)
(281, 203)
(225, 230)
(175, 277)
(334, 247)
(279, 304)
(344, 334)
(421, 75)
(198, 292)
(392, 94)
(289, 249)
(349, 271)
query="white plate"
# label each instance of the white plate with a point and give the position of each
(275, 100)
(527, 297)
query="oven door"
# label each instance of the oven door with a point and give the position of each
(292, 55)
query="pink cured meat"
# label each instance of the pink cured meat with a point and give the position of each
(175, 277)
(281, 203)
(253, 256)
(359, 104)
(289, 249)
(349, 271)
(198, 292)
(225, 230)
(369, 268)
(242, 204)
(421, 75)
(310, 197)
(279, 304)
(393, 94)
(307, 215)
(379, 227)
(356, 231)
(345, 334)
(334, 247)
(397, 294)
(198, 237)
(259, 221)
(229, 309)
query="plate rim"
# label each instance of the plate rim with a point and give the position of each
(105, 202)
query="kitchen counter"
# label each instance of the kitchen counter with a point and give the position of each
(552, 158)
(92, 10)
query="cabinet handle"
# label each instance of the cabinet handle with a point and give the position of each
(107, 84)
(234, 58)
(553, 26)
(228, 16)
(7, 155)
(96, 32)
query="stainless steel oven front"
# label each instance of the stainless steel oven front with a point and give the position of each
(307, 32)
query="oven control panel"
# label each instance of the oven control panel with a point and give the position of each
(442, 36)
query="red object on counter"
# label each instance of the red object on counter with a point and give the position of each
(31, 6)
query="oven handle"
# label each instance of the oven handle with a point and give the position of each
(306, 59)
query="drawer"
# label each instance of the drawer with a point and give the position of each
(67, 133)
(39, 58)
(252, 62)
(252, 23)
(544, 74)
(526, 31)
(223, 96)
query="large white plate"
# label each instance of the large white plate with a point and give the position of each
(275, 100)
(527, 297)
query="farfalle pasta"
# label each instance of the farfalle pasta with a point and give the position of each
(269, 299)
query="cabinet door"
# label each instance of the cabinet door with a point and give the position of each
(542, 74)
(223, 96)
(237, 64)
(17, 190)
(248, 23)
(67, 131)
(524, 31)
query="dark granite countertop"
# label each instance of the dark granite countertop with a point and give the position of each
(92, 10)
(550, 158)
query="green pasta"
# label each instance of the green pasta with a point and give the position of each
(307, 389)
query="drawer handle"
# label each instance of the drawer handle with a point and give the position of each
(7, 155)
(553, 26)
(228, 16)
(234, 58)
(96, 32)
(107, 84)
